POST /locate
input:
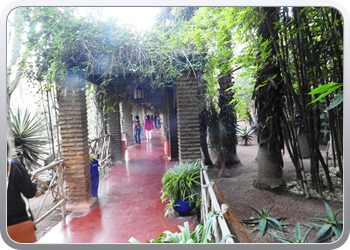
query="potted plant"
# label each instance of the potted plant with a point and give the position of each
(181, 186)
(94, 174)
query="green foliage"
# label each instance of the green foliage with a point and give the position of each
(180, 182)
(245, 135)
(326, 90)
(90, 44)
(295, 238)
(201, 234)
(331, 225)
(29, 141)
(264, 220)
(93, 157)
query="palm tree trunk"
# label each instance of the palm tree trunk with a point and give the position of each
(268, 102)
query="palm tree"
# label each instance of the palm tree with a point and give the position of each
(268, 102)
(29, 141)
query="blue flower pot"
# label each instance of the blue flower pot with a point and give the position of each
(184, 207)
(94, 177)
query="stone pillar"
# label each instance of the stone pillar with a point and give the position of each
(128, 126)
(74, 138)
(114, 129)
(188, 118)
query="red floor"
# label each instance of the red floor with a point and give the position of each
(129, 203)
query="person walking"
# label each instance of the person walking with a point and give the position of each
(158, 121)
(148, 128)
(137, 130)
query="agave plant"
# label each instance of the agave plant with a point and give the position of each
(201, 234)
(29, 141)
(264, 220)
(245, 135)
(331, 225)
(295, 238)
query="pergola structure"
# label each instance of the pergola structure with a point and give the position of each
(177, 102)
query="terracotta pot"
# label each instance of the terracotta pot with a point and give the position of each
(123, 149)
(166, 148)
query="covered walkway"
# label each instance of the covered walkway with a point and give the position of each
(129, 202)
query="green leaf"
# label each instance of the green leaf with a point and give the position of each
(262, 226)
(338, 99)
(337, 231)
(284, 240)
(274, 223)
(323, 88)
(324, 233)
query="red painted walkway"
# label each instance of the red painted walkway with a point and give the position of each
(129, 203)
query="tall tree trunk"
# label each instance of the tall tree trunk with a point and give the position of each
(228, 119)
(268, 102)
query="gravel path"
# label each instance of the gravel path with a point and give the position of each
(239, 193)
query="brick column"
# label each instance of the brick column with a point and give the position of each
(187, 118)
(74, 138)
(113, 120)
(172, 123)
(128, 126)
(166, 108)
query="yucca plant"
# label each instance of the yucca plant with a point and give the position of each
(331, 225)
(29, 139)
(245, 135)
(201, 234)
(264, 220)
(180, 182)
(295, 238)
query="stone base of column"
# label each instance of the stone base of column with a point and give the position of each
(82, 205)
(168, 158)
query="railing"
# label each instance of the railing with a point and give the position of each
(222, 226)
(100, 147)
(56, 187)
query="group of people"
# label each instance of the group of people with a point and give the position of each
(148, 126)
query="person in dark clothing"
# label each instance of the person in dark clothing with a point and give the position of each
(19, 182)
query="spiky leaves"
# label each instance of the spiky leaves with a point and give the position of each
(331, 225)
(264, 220)
(245, 135)
(295, 238)
(29, 139)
